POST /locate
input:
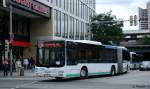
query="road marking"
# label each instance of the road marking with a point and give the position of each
(26, 84)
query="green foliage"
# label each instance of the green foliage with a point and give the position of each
(146, 40)
(106, 29)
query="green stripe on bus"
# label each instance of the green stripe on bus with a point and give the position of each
(89, 74)
(73, 75)
(98, 73)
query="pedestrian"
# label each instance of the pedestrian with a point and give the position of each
(18, 66)
(30, 65)
(5, 66)
(25, 63)
(33, 63)
(14, 64)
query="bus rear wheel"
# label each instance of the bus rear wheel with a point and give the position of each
(83, 73)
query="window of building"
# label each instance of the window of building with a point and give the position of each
(80, 9)
(69, 5)
(72, 6)
(56, 2)
(75, 28)
(62, 4)
(63, 24)
(80, 28)
(66, 3)
(54, 25)
(73, 22)
(51, 1)
(59, 3)
(71, 28)
(68, 25)
(57, 29)
(21, 27)
(59, 23)
(75, 7)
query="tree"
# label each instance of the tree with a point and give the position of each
(106, 29)
(146, 40)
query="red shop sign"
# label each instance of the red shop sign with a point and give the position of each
(33, 5)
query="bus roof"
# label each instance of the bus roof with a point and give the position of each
(115, 47)
(86, 42)
(79, 41)
(132, 53)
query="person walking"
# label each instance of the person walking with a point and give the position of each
(33, 63)
(25, 63)
(18, 66)
(14, 64)
(5, 66)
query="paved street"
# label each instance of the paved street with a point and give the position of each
(132, 80)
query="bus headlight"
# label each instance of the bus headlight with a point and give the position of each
(142, 66)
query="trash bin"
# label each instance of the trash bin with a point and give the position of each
(21, 71)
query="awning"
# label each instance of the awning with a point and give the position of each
(20, 43)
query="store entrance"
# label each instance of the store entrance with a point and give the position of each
(1, 55)
(4, 26)
(18, 52)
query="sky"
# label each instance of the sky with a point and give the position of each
(122, 9)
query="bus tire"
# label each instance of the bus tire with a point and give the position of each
(83, 73)
(113, 71)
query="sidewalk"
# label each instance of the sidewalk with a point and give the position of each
(28, 75)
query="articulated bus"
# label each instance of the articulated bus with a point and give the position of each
(80, 58)
(135, 60)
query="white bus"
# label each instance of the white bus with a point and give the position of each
(80, 58)
(135, 60)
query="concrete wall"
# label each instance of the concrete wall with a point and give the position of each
(39, 28)
(26, 52)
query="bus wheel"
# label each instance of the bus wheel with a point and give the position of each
(113, 71)
(83, 73)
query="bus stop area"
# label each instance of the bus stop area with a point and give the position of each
(23, 74)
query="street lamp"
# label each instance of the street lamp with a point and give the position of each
(10, 37)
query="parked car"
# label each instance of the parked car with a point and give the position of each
(145, 65)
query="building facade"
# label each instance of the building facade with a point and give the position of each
(34, 21)
(71, 18)
(144, 15)
(24, 14)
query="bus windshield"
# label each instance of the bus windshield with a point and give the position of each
(136, 58)
(51, 54)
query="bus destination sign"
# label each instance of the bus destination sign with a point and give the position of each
(51, 45)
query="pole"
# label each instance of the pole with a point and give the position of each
(10, 32)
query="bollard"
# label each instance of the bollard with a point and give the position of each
(21, 71)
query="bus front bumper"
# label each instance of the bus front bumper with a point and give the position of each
(57, 73)
(49, 72)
